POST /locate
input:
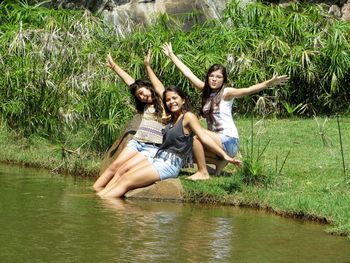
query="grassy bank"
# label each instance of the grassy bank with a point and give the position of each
(311, 184)
(68, 157)
(302, 162)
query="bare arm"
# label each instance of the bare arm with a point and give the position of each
(238, 93)
(168, 51)
(120, 72)
(157, 84)
(192, 123)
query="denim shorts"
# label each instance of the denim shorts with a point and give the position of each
(147, 149)
(230, 144)
(167, 164)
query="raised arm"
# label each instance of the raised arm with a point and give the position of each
(192, 123)
(120, 72)
(168, 51)
(238, 93)
(157, 84)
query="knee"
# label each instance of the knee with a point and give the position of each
(114, 166)
(112, 169)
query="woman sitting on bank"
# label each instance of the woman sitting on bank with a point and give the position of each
(176, 146)
(148, 137)
(217, 102)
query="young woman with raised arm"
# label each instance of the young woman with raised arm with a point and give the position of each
(217, 102)
(148, 137)
(176, 146)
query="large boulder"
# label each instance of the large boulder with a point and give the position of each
(170, 189)
(346, 12)
(126, 14)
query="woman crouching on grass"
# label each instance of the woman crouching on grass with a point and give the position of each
(176, 146)
(217, 101)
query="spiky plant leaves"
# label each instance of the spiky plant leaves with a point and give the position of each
(254, 40)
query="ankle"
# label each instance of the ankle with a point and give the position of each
(203, 171)
(220, 166)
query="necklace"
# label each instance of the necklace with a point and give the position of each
(151, 109)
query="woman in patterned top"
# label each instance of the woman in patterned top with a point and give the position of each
(217, 101)
(148, 137)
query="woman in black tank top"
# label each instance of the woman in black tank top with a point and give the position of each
(177, 143)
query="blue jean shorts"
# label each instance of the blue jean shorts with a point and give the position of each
(147, 149)
(230, 144)
(167, 164)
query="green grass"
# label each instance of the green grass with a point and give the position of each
(311, 184)
(36, 151)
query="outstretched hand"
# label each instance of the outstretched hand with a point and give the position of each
(278, 80)
(110, 61)
(236, 162)
(147, 59)
(167, 49)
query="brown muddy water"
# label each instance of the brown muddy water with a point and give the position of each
(52, 218)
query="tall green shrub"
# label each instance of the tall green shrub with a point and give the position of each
(54, 80)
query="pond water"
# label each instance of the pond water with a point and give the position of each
(52, 218)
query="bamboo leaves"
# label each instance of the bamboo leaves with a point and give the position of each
(55, 81)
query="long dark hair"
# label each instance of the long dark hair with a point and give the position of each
(156, 100)
(182, 94)
(207, 90)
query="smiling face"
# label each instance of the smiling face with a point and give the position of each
(173, 101)
(144, 95)
(216, 79)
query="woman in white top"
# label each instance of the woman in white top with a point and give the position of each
(217, 101)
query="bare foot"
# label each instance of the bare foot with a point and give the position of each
(199, 176)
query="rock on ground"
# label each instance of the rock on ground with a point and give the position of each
(170, 189)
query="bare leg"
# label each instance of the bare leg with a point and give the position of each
(131, 163)
(218, 162)
(199, 155)
(134, 161)
(107, 175)
(144, 174)
(203, 155)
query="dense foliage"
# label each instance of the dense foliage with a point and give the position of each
(54, 80)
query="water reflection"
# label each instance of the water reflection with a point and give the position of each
(221, 239)
(222, 234)
(50, 218)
